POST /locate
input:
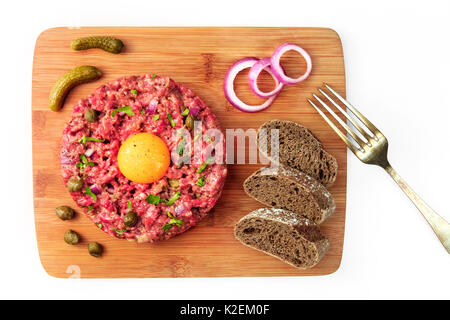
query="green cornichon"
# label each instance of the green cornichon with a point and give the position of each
(108, 44)
(68, 81)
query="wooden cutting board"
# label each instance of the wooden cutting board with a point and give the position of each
(199, 58)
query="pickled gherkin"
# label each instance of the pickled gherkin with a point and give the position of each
(68, 81)
(108, 44)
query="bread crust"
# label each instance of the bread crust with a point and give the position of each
(308, 233)
(300, 149)
(310, 188)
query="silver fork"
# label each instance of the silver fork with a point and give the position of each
(373, 150)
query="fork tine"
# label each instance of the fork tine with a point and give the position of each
(342, 123)
(358, 114)
(336, 129)
(354, 123)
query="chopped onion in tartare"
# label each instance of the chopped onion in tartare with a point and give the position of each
(273, 66)
(95, 189)
(194, 111)
(89, 152)
(152, 106)
(180, 209)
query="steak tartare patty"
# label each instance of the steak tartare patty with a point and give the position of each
(89, 150)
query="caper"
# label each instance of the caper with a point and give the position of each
(65, 212)
(71, 237)
(95, 249)
(130, 219)
(75, 184)
(189, 121)
(90, 115)
(174, 183)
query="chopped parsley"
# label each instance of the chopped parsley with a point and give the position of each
(151, 199)
(86, 139)
(83, 158)
(153, 76)
(89, 207)
(90, 193)
(156, 117)
(134, 92)
(173, 198)
(185, 112)
(172, 222)
(180, 146)
(129, 204)
(201, 181)
(142, 111)
(196, 137)
(84, 163)
(99, 225)
(126, 109)
(205, 164)
(120, 231)
(172, 123)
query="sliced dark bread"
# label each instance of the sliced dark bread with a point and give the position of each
(301, 150)
(282, 234)
(291, 189)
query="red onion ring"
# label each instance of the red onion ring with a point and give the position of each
(228, 86)
(263, 64)
(278, 70)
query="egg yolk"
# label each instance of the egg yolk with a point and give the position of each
(143, 158)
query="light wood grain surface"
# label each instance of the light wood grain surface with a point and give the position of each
(199, 58)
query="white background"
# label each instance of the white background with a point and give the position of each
(397, 56)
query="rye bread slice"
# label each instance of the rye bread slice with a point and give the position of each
(301, 150)
(290, 189)
(282, 234)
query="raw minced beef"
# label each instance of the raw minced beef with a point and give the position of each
(116, 195)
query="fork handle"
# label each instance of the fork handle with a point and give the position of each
(440, 227)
